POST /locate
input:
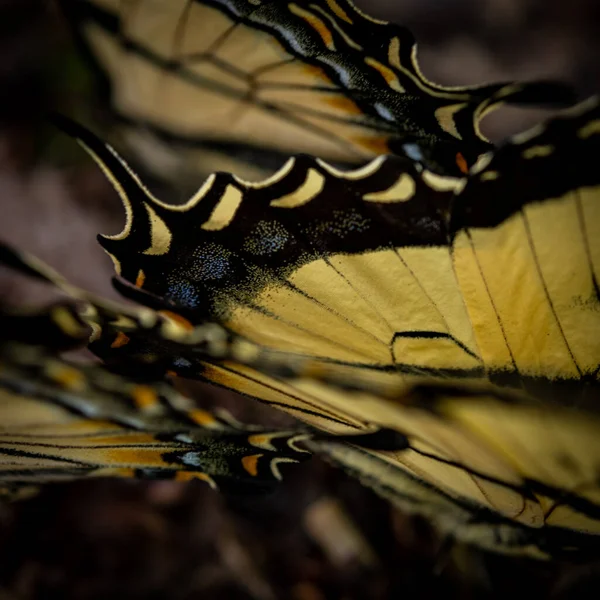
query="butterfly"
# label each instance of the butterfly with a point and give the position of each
(238, 85)
(375, 304)
(438, 331)
(63, 420)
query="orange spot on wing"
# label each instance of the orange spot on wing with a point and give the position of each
(191, 475)
(316, 72)
(141, 277)
(462, 164)
(177, 318)
(79, 427)
(137, 456)
(144, 396)
(250, 464)
(344, 104)
(316, 23)
(123, 440)
(376, 145)
(202, 417)
(322, 30)
(390, 77)
(258, 439)
(339, 11)
(69, 378)
(120, 340)
(118, 472)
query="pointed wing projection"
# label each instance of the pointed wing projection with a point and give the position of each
(220, 79)
(62, 420)
(380, 290)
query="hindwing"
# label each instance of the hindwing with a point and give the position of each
(361, 285)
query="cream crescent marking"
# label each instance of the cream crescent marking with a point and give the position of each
(225, 209)
(445, 118)
(402, 190)
(160, 235)
(489, 176)
(312, 187)
(277, 176)
(442, 183)
(589, 129)
(537, 152)
(275, 466)
(360, 173)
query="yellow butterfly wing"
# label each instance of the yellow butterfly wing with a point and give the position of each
(491, 468)
(391, 268)
(61, 420)
(403, 274)
(222, 79)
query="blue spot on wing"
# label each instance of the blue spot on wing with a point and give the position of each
(184, 293)
(267, 237)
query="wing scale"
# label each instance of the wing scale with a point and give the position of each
(216, 77)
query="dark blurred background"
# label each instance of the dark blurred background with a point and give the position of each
(320, 535)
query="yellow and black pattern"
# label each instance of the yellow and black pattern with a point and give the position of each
(495, 469)
(320, 77)
(62, 420)
(430, 315)
(359, 284)
(389, 268)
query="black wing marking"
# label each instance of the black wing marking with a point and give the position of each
(317, 77)
(63, 421)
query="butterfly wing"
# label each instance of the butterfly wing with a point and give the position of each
(527, 259)
(491, 468)
(371, 279)
(61, 420)
(392, 268)
(219, 78)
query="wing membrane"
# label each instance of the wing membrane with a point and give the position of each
(317, 77)
(61, 420)
(392, 267)
(365, 282)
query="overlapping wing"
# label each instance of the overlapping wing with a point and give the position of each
(220, 78)
(367, 281)
(389, 268)
(62, 420)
